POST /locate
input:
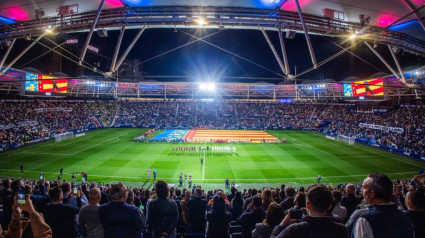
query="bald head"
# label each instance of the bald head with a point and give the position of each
(94, 195)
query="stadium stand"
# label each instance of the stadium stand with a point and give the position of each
(27, 121)
(105, 206)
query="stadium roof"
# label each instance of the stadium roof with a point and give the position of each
(385, 22)
(382, 12)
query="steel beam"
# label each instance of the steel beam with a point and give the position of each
(400, 70)
(382, 59)
(284, 54)
(7, 53)
(276, 55)
(307, 37)
(86, 44)
(417, 15)
(124, 55)
(22, 53)
(117, 49)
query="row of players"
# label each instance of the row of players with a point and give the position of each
(207, 148)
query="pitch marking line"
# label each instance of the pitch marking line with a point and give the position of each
(31, 147)
(372, 150)
(290, 178)
(305, 144)
(203, 169)
(68, 154)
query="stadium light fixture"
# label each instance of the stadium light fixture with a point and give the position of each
(201, 21)
(48, 30)
(211, 87)
(203, 86)
(207, 87)
(352, 36)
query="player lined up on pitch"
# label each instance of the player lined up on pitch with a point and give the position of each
(185, 179)
(229, 149)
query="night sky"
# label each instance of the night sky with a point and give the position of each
(205, 61)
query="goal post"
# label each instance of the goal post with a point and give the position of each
(64, 136)
(347, 139)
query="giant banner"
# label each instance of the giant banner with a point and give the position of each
(382, 128)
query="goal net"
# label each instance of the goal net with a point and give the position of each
(346, 139)
(64, 136)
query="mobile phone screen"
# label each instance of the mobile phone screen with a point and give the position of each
(75, 190)
(21, 196)
(41, 176)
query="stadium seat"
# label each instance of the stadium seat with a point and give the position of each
(147, 234)
(237, 235)
(235, 223)
(235, 229)
(193, 235)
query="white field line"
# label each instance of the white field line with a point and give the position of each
(68, 154)
(26, 149)
(305, 144)
(401, 160)
(290, 178)
(203, 168)
(375, 151)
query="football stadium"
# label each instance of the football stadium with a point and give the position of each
(218, 119)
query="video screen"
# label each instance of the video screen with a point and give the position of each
(365, 88)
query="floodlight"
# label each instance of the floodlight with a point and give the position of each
(201, 21)
(211, 86)
(207, 87)
(203, 86)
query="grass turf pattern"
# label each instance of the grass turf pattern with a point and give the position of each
(111, 155)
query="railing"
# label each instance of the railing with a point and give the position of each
(235, 18)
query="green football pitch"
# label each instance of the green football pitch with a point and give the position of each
(111, 155)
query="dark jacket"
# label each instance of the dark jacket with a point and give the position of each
(350, 202)
(163, 216)
(236, 206)
(249, 219)
(218, 225)
(62, 220)
(418, 220)
(287, 203)
(197, 208)
(312, 227)
(262, 231)
(121, 220)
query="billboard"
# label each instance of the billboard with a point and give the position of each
(364, 88)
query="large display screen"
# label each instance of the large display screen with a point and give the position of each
(45, 84)
(365, 88)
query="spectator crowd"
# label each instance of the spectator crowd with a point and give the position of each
(377, 207)
(28, 121)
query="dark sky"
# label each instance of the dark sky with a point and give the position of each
(203, 60)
